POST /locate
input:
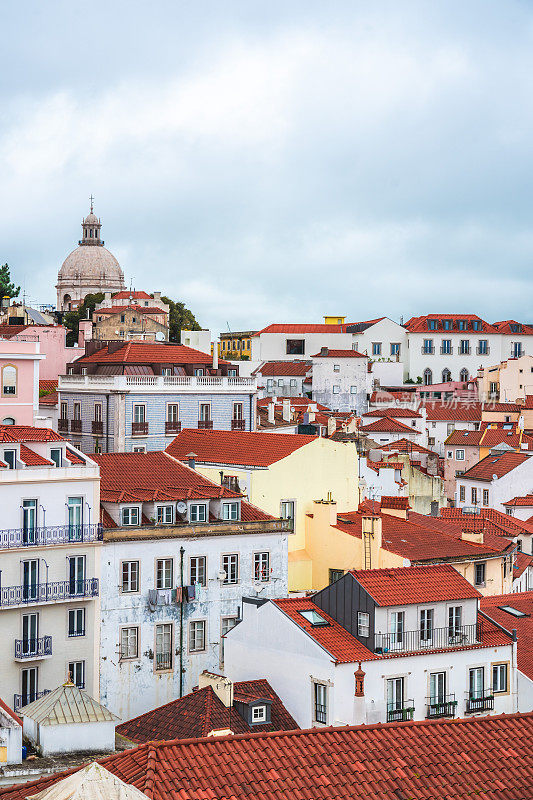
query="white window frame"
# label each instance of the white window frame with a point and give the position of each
(74, 613)
(230, 565)
(230, 511)
(498, 669)
(194, 516)
(459, 455)
(130, 516)
(163, 631)
(259, 715)
(165, 514)
(198, 567)
(132, 575)
(336, 389)
(197, 636)
(363, 624)
(128, 648)
(262, 566)
(77, 671)
(164, 573)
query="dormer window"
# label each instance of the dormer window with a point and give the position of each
(447, 324)
(316, 619)
(9, 457)
(165, 515)
(476, 325)
(432, 324)
(259, 714)
(130, 515)
(230, 511)
(198, 512)
(55, 456)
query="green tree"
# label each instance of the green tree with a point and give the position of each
(180, 318)
(6, 287)
(71, 319)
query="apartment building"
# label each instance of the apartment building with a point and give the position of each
(50, 543)
(494, 479)
(340, 380)
(131, 315)
(179, 554)
(19, 381)
(137, 396)
(283, 378)
(415, 638)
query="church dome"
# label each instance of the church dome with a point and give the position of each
(91, 219)
(91, 263)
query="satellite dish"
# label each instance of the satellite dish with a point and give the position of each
(182, 507)
(221, 575)
(494, 476)
(160, 336)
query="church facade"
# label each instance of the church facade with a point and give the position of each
(88, 269)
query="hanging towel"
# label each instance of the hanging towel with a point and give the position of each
(179, 595)
(191, 592)
(165, 597)
(152, 599)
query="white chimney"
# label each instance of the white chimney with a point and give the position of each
(215, 354)
(271, 408)
(222, 687)
(287, 410)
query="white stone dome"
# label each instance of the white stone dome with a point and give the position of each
(91, 219)
(91, 263)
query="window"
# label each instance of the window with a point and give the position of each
(516, 349)
(320, 703)
(464, 347)
(238, 411)
(166, 371)
(460, 455)
(8, 421)
(455, 621)
(395, 695)
(163, 647)
(447, 324)
(139, 413)
(164, 570)
(55, 456)
(476, 682)
(446, 376)
(432, 324)
(29, 684)
(76, 574)
(262, 567)
(77, 673)
(130, 576)
(197, 636)
(426, 625)
(287, 509)
(295, 347)
(461, 324)
(75, 517)
(259, 714)
(123, 318)
(64, 409)
(139, 448)
(270, 384)
(230, 565)
(376, 348)
(198, 512)
(428, 377)
(335, 575)
(9, 381)
(336, 367)
(165, 515)
(395, 349)
(227, 623)
(363, 624)
(353, 389)
(76, 622)
(485, 497)
(173, 414)
(479, 573)
(293, 383)
(199, 372)
(231, 482)
(280, 381)
(463, 375)
(77, 411)
(10, 458)
(129, 643)
(336, 389)
(500, 678)
(446, 347)
(97, 412)
(514, 611)
(230, 511)
(29, 521)
(483, 347)
(197, 570)
(130, 515)
(205, 412)
(437, 688)
(462, 494)
(473, 495)
(427, 347)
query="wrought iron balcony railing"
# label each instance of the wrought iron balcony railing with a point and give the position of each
(139, 428)
(48, 592)
(49, 535)
(205, 424)
(427, 351)
(446, 707)
(75, 425)
(21, 700)
(97, 426)
(173, 427)
(479, 701)
(238, 424)
(427, 639)
(163, 661)
(62, 424)
(400, 713)
(33, 648)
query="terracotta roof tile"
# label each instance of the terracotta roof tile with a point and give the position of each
(289, 368)
(387, 425)
(394, 502)
(521, 601)
(417, 584)
(525, 500)
(32, 459)
(505, 327)
(521, 562)
(148, 353)
(453, 411)
(406, 446)
(125, 295)
(236, 447)
(26, 433)
(48, 385)
(464, 438)
(509, 408)
(339, 354)
(301, 328)
(498, 465)
(420, 324)
(396, 412)
(501, 524)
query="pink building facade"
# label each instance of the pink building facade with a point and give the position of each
(19, 381)
(53, 346)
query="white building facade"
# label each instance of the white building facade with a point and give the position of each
(341, 380)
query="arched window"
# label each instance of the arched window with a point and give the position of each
(446, 375)
(428, 377)
(8, 421)
(9, 381)
(464, 375)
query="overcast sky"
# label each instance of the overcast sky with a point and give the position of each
(276, 161)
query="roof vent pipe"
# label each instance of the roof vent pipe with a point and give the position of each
(191, 460)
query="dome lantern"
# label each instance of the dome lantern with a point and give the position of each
(91, 229)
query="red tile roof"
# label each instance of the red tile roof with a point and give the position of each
(300, 328)
(148, 353)
(504, 408)
(392, 412)
(48, 385)
(292, 368)
(498, 465)
(26, 433)
(50, 399)
(406, 446)
(521, 601)
(521, 562)
(138, 309)
(465, 438)
(526, 500)
(505, 328)
(501, 523)
(125, 295)
(199, 713)
(458, 759)
(387, 425)
(401, 503)
(333, 638)
(417, 584)
(389, 396)
(453, 411)
(10, 712)
(339, 354)
(32, 459)
(237, 447)
(74, 458)
(420, 324)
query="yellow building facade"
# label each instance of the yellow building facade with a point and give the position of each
(235, 345)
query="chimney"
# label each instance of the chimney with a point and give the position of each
(371, 528)
(395, 506)
(287, 410)
(215, 354)
(332, 426)
(42, 422)
(472, 534)
(324, 351)
(222, 687)
(325, 511)
(157, 295)
(191, 460)
(359, 704)
(432, 464)
(85, 332)
(271, 408)
(107, 299)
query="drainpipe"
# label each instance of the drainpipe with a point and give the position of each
(107, 423)
(182, 551)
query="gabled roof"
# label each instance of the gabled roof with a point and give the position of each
(237, 447)
(125, 295)
(200, 712)
(525, 500)
(9, 711)
(417, 584)
(420, 324)
(92, 782)
(494, 607)
(391, 395)
(504, 408)
(32, 459)
(465, 438)
(65, 705)
(397, 413)
(453, 411)
(27, 433)
(506, 327)
(300, 328)
(495, 521)
(48, 385)
(338, 354)
(148, 353)
(284, 368)
(498, 465)
(387, 425)
(430, 759)
(406, 446)
(138, 309)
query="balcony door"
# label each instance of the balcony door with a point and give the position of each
(30, 633)
(394, 694)
(29, 521)
(437, 688)
(139, 414)
(29, 685)
(426, 627)
(397, 629)
(205, 412)
(75, 518)
(30, 579)
(476, 683)
(76, 574)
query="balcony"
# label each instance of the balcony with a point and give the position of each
(481, 701)
(238, 424)
(139, 428)
(97, 427)
(464, 351)
(436, 709)
(172, 427)
(20, 700)
(56, 591)
(482, 351)
(163, 661)
(427, 351)
(403, 713)
(428, 639)
(51, 535)
(75, 425)
(62, 424)
(33, 648)
(186, 384)
(446, 351)
(205, 424)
